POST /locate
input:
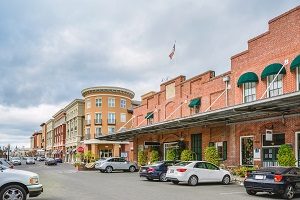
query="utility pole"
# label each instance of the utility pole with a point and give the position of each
(8, 150)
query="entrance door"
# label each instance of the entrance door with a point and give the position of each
(196, 147)
(246, 150)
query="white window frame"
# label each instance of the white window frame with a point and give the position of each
(88, 119)
(248, 136)
(297, 78)
(297, 134)
(268, 84)
(220, 144)
(109, 133)
(108, 117)
(165, 149)
(111, 102)
(123, 105)
(98, 113)
(96, 103)
(251, 90)
(123, 114)
(88, 128)
(88, 103)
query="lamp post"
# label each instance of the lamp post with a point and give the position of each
(8, 150)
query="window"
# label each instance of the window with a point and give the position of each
(298, 78)
(221, 149)
(123, 117)
(200, 165)
(123, 103)
(87, 131)
(98, 118)
(211, 166)
(111, 129)
(98, 131)
(105, 153)
(98, 102)
(249, 92)
(88, 119)
(88, 103)
(271, 148)
(111, 102)
(276, 87)
(111, 118)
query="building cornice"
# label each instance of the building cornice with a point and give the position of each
(104, 89)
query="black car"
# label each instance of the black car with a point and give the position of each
(157, 170)
(284, 181)
(58, 160)
(50, 161)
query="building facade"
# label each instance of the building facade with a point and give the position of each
(246, 113)
(44, 132)
(59, 130)
(49, 137)
(74, 128)
(107, 109)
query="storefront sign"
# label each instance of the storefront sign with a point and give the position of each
(124, 154)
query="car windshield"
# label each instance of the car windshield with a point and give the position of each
(183, 163)
(275, 170)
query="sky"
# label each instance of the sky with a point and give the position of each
(50, 50)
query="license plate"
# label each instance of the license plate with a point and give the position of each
(171, 170)
(259, 177)
(143, 170)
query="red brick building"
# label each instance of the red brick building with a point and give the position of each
(59, 120)
(246, 113)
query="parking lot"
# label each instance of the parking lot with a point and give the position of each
(64, 182)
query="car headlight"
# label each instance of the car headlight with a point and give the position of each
(34, 181)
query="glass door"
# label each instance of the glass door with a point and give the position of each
(247, 150)
(196, 142)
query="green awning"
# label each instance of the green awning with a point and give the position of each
(149, 115)
(295, 63)
(194, 102)
(272, 69)
(247, 78)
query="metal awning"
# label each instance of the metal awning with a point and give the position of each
(283, 105)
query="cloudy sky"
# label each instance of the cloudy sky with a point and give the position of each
(50, 50)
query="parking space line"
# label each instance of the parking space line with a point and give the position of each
(229, 193)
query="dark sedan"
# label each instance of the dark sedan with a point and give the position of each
(50, 161)
(284, 181)
(58, 160)
(157, 170)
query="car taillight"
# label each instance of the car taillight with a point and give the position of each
(150, 169)
(247, 175)
(181, 170)
(278, 178)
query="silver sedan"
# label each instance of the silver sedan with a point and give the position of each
(113, 164)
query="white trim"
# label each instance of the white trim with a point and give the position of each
(165, 148)
(110, 98)
(296, 147)
(297, 78)
(124, 114)
(110, 95)
(248, 136)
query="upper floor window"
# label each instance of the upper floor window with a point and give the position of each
(111, 129)
(298, 78)
(249, 92)
(123, 117)
(275, 88)
(98, 131)
(111, 102)
(111, 118)
(88, 119)
(123, 103)
(88, 103)
(98, 118)
(98, 102)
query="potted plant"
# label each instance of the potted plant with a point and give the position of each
(78, 165)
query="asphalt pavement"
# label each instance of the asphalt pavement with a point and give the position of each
(64, 182)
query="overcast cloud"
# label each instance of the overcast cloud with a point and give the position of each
(50, 50)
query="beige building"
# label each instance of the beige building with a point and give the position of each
(74, 127)
(107, 109)
(49, 137)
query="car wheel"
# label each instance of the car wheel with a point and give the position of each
(226, 180)
(289, 192)
(193, 180)
(13, 192)
(175, 182)
(108, 169)
(132, 168)
(101, 171)
(163, 177)
(251, 192)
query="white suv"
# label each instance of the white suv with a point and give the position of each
(17, 184)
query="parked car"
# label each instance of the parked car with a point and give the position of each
(17, 184)
(50, 161)
(194, 172)
(111, 164)
(16, 161)
(30, 160)
(284, 181)
(157, 170)
(5, 163)
(59, 160)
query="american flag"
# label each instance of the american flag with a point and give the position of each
(171, 55)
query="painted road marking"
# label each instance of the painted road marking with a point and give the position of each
(229, 193)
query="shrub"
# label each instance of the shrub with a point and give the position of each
(242, 171)
(186, 155)
(171, 154)
(286, 156)
(142, 158)
(211, 155)
(154, 156)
